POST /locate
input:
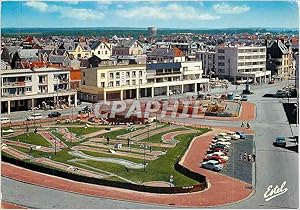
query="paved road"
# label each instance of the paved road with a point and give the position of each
(273, 166)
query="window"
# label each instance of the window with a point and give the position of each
(28, 78)
(221, 64)
(133, 82)
(141, 81)
(83, 74)
(79, 55)
(105, 52)
(117, 83)
(111, 84)
(92, 53)
(141, 73)
(118, 75)
(221, 50)
(127, 74)
(102, 84)
(127, 82)
(102, 75)
(98, 52)
(221, 57)
(28, 89)
(111, 75)
(133, 74)
(83, 82)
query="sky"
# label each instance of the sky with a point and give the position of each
(141, 14)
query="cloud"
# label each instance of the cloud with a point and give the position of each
(227, 9)
(41, 6)
(170, 11)
(71, 2)
(67, 12)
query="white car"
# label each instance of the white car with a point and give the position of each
(35, 116)
(220, 135)
(5, 120)
(237, 97)
(212, 165)
(233, 135)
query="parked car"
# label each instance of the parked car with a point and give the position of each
(54, 114)
(215, 157)
(220, 154)
(279, 142)
(220, 146)
(244, 98)
(237, 97)
(212, 165)
(233, 135)
(247, 92)
(35, 116)
(241, 134)
(5, 120)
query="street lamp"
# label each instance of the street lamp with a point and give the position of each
(144, 157)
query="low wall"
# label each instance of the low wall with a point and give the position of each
(152, 189)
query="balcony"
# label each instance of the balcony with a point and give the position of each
(13, 84)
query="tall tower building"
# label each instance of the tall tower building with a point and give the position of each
(152, 31)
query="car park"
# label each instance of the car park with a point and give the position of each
(279, 142)
(54, 114)
(212, 165)
(35, 116)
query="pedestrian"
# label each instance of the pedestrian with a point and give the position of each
(249, 158)
(248, 124)
(18, 141)
(241, 156)
(245, 156)
(243, 124)
(253, 157)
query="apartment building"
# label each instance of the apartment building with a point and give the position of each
(280, 59)
(22, 89)
(242, 63)
(208, 59)
(120, 82)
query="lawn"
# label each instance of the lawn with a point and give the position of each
(83, 130)
(156, 170)
(32, 138)
(157, 137)
(60, 136)
(96, 154)
(114, 134)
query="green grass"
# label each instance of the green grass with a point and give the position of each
(32, 138)
(156, 170)
(114, 134)
(157, 137)
(62, 156)
(83, 130)
(96, 154)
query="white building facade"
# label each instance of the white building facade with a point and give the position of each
(242, 63)
(136, 81)
(22, 89)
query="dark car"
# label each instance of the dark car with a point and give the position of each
(54, 114)
(279, 142)
(244, 98)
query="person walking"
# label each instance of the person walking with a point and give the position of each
(253, 157)
(249, 158)
(248, 124)
(243, 124)
(245, 156)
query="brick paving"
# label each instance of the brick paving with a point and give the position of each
(7, 205)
